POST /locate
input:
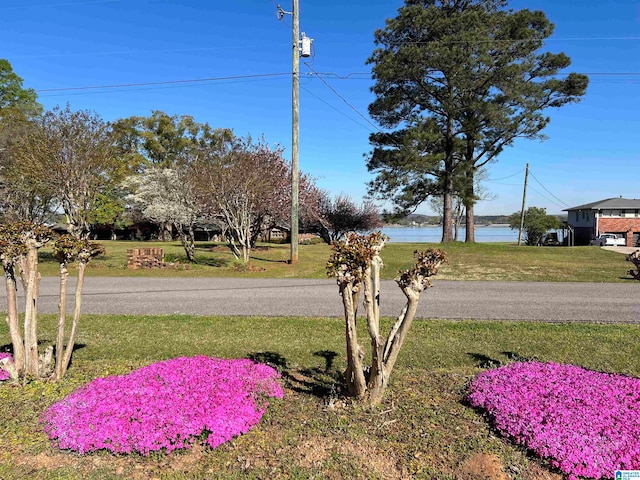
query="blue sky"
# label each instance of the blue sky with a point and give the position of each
(592, 151)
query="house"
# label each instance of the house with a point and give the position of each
(612, 215)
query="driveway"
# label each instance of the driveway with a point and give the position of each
(542, 301)
(625, 250)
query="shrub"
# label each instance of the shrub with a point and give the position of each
(585, 422)
(166, 405)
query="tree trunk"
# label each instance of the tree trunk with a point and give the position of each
(30, 314)
(82, 265)
(377, 376)
(62, 316)
(12, 317)
(354, 374)
(187, 240)
(166, 234)
(447, 211)
(469, 203)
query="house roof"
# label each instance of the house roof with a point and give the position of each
(608, 203)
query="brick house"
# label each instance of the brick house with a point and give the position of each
(612, 215)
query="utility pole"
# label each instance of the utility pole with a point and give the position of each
(295, 130)
(524, 199)
(299, 47)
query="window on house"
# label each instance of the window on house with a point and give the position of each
(637, 212)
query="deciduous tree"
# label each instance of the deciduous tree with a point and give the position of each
(72, 154)
(15, 100)
(162, 141)
(237, 184)
(456, 82)
(341, 215)
(536, 224)
(167, 196)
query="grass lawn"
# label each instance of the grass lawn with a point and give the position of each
(480, 261)
(423, 430)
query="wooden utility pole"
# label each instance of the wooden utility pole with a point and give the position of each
(295, 131)
(524, 200)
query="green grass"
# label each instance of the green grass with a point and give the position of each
(423, 429)
(480, 261)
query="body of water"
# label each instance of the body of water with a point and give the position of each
(434, 234)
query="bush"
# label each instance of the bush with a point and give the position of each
(585, 422)
(166, 405)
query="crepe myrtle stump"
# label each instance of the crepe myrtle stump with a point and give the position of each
(356, 263)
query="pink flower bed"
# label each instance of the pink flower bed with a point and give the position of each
(4, 375)
(587, 423)
(166, 405)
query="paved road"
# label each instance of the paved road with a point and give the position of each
(558, 302)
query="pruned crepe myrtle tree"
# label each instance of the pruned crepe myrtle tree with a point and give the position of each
(19, 241)
(356, 264)
(634, 258)
(19, 245)
(456, 82)
(67, 250)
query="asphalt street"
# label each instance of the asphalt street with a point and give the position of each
(555, 302)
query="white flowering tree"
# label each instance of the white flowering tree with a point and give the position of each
(166, 196)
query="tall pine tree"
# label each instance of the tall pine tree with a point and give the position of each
(456, 82)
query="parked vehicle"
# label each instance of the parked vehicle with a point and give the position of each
(609, 240)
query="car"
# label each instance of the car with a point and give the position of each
(609, 240)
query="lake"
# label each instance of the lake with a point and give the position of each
(434, 234)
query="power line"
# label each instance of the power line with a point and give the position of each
(319, 75)
(547, 190)
(135, 52)
(67, 4)
(344, 99)
(336, 109)
(547, 198)
(495, 180)
(168, 82)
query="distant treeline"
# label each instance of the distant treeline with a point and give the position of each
(419, 219)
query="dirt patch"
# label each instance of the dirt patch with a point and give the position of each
(371, 460)
(537, 472)
(482, 466)
(313, 452)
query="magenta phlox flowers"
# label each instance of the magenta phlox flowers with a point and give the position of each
(166, 405)
(4, 374)
(586, 423)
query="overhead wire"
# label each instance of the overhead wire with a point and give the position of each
(336, 109)
(547, 198)
(168, 82)
(496, 180)
(343, 99)
(547, 190)
(66, 4)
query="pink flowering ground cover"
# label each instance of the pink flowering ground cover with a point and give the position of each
(586, 423)
(4, 375)
(166, 405)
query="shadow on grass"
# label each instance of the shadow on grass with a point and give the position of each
(212, 262)
(484, 361)
(319, 382)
